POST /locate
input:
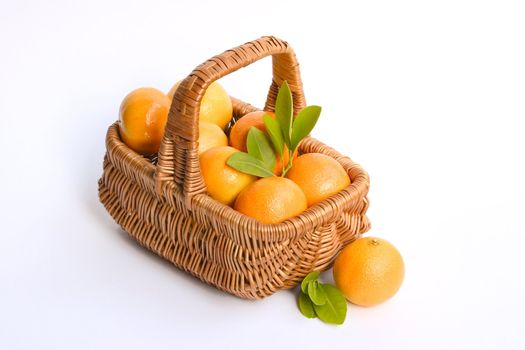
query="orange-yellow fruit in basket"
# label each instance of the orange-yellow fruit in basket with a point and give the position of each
(223, 182)
(211, 135)
(143, 115)
(271, 200)
(318, 175)
(369, 271)
(239, 131)
(239, 134)
(216, 105)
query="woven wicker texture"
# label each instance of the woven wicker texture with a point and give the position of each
(165, 206)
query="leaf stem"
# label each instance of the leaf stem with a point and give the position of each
(290, 163)
(283, 170)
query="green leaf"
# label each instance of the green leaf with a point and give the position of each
(275, 133)
(284, 111)
(312, 276)
(316, 293)
(303, 124)
(248, 164)
(306, 306)
(334, 310)
(259, 146)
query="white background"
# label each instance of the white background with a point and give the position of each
(427, 96)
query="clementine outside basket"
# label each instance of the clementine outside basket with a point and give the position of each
(164, 205)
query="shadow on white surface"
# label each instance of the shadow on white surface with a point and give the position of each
(134, 250)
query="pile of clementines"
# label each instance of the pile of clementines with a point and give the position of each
(294, 182)
(259, 172)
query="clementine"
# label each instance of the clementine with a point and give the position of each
(369, 271)
(239, 134)
(318, 175)
(216, 105)
(239, 131)
(210, 135)
(271, 200)
(223, 182)
(142, 117)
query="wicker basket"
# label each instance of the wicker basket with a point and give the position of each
(165, 207)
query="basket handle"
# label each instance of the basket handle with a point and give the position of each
(178, 156)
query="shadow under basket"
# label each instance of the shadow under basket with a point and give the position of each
(164, 205)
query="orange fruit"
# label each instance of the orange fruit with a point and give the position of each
(143, 115)
(239, 131)
(210, 135)
(271, 200)
(223, 182)
(369, 271)
(216, 105)
(239, 134)
(318, 175)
